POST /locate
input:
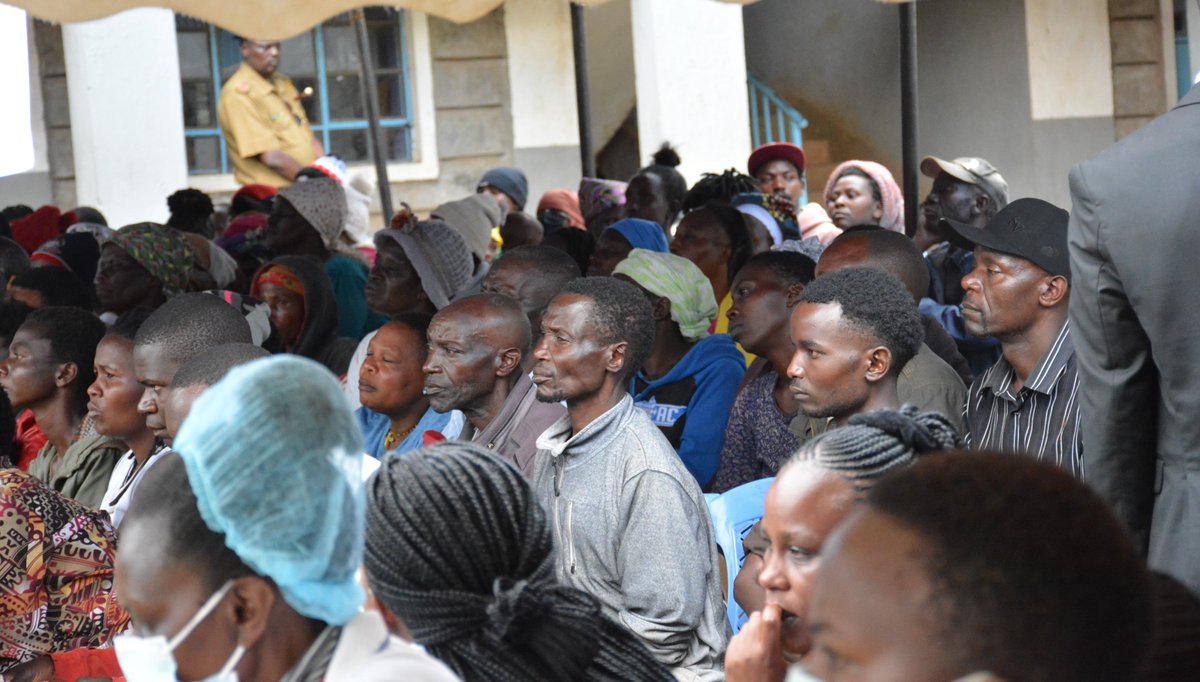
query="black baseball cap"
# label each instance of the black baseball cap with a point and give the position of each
(1032, 229)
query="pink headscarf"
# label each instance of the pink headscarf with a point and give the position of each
(889, 192)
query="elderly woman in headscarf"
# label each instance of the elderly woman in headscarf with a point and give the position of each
(459, 554)
(864, 193)
(622, 237)
(143, 265)
(690, 380)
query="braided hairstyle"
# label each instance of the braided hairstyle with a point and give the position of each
(874, 443)
(718, 188)
(458, 547)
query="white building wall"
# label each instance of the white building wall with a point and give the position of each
(126, 114)
(690, 62)
(541, 78)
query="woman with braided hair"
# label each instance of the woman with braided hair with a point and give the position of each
(814, 492)
(458, 550)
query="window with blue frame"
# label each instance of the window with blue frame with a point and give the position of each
(324, 66)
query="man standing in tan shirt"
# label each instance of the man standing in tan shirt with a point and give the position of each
(266, 130)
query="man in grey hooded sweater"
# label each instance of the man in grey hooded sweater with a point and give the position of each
(631, 525)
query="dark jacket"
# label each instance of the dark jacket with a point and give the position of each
(319, 338)
(1134, 310)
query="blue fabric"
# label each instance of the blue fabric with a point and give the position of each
(642, 234)
(375, 427)
(716, 365)
(349, 278)
(980, 352)
(275, 460)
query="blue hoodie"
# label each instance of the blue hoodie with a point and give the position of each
(690, 404)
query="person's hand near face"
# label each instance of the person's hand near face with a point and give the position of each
(754, 654)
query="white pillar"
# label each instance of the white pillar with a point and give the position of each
(126, 114)
(690, 66)
(541, 78)
(16, 128)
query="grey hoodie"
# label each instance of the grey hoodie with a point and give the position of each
(632, 529)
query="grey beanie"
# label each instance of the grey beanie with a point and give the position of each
(322, 202)
(438, 253)
(474, 218)
(511, 181)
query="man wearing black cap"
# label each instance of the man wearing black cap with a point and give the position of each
(1018, 291)
(968, 190)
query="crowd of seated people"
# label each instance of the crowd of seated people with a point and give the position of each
(488, 444)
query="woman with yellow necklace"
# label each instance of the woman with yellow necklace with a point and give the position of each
(395, 414)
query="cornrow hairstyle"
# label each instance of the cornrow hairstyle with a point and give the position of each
(458, 547)
(1031, 576)
(872, 444)
(858, 172)
(212, 365)
(874, 303)
(192, 323)
(73, 335)
(719, 188)
(620, 312)
(663, 165)
(58, 287)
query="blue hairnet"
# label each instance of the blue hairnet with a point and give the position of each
(274, 457)
(641, 234)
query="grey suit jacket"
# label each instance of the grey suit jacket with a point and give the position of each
(1135, 309)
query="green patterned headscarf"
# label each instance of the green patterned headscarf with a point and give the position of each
(693, 304)
(161, 251)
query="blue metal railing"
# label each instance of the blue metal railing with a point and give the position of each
(772, 119)
(1183, 65)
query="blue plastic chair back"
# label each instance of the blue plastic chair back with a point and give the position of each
(733, 515)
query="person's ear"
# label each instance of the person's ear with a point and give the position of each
(662, 308)
(618, 355)
(1053, 291)
(792, 295)
(65, 374)
(508, 361)
(253, 599)
(878, 212)
(981, 204)
(879, 363)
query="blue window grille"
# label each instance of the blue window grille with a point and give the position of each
(324, 66)
(772, 119)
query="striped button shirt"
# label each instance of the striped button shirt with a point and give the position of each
(1041, 419)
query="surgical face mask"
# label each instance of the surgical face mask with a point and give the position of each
(152, 659)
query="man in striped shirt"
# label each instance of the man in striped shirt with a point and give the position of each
(1028, 402)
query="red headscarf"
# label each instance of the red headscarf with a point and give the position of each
(566, 201)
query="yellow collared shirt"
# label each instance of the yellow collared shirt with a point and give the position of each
(258, 115)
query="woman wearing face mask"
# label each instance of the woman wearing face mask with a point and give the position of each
(239, 554)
